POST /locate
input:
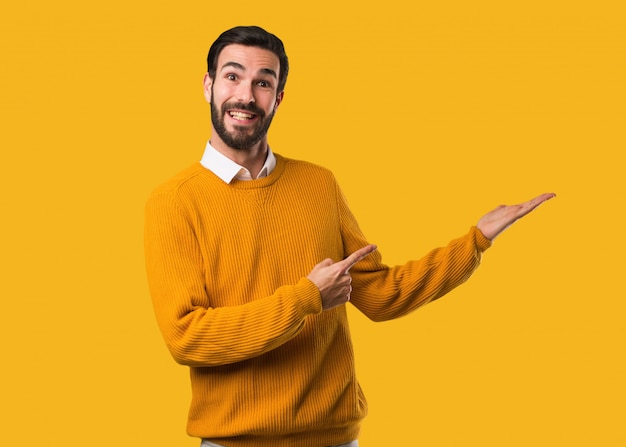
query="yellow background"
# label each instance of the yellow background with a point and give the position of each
(430, 114)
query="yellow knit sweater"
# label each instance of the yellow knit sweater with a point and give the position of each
(227, 267)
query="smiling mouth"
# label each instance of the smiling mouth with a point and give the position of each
(241, 116)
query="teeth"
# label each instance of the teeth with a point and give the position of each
(241, 115)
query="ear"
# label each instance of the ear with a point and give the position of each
(207, 82)
(279, 99)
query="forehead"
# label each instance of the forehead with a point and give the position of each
(251, 58)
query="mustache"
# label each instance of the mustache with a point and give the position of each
(253, 108)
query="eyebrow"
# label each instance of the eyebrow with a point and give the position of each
(238, 66)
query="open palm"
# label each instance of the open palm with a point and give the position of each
(499, 219)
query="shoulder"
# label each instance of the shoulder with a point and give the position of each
(181, 190)
(304, 168)
(186, 178)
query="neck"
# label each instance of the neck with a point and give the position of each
(252, 159)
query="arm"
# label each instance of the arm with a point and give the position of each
(196, 333)
(383, 293)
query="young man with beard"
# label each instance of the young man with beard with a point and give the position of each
(251, 258)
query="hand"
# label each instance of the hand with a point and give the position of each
(333, 278)
(496, 221)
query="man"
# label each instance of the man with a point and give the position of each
(251, 258)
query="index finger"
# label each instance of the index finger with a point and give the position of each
(355, 257)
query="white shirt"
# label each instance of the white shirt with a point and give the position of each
(227, 170)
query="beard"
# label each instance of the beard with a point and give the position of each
(243, 137)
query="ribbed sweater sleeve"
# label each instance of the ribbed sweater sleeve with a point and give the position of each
(384, 293)
(195, 332)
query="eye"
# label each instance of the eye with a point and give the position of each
(263, 84)
(231, 76)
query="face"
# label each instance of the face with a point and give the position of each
(243, 96)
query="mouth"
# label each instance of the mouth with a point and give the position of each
(241, 116)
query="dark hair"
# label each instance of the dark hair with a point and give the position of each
(251, 36)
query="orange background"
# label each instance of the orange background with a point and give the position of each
(429, 113)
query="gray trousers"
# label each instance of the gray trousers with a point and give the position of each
(206, 443)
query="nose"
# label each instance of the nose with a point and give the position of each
(245, 94)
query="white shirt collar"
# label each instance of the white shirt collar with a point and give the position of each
(227, 170)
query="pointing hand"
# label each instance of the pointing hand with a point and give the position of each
(333, 278)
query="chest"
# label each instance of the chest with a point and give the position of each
(253, 242)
